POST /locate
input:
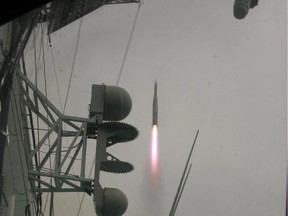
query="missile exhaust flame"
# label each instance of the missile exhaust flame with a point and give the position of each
(154, 151)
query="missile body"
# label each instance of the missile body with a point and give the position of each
(155, 106)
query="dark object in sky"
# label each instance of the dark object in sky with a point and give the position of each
(155, 106)
(64, 12)
(59, 14)
(241, 7)
(10, 10)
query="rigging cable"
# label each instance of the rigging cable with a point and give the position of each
(18, 146)
(30, 118)
(36, 85)
(73, 63)
(46, 97)
(39, 199)
(55, 72)
(61, 106)
(24, 33)
(29, 110)
(128, 44)
(36, 101)
(117, 82)
(83, 196)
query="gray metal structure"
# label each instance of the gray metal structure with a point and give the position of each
(52, 171)
(63, 12)
(55, 121)
(19, 35)
(98, 126)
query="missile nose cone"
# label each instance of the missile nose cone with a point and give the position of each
(155, 88)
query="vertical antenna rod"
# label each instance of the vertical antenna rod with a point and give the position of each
(184, 177)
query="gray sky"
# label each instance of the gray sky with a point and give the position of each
(223, 76)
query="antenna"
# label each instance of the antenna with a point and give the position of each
(183, 178)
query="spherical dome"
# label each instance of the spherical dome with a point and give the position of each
(115, 202)
(241, 8)
(118, 103)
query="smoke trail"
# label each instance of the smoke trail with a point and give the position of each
(152, 188)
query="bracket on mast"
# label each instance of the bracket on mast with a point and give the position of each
(58, 178)
(109, 105)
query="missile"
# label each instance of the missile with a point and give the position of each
(155, 106)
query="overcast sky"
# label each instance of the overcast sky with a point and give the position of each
(223, 76)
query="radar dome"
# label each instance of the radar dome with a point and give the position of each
(110, 103)
(115, 202)
(118, 103)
